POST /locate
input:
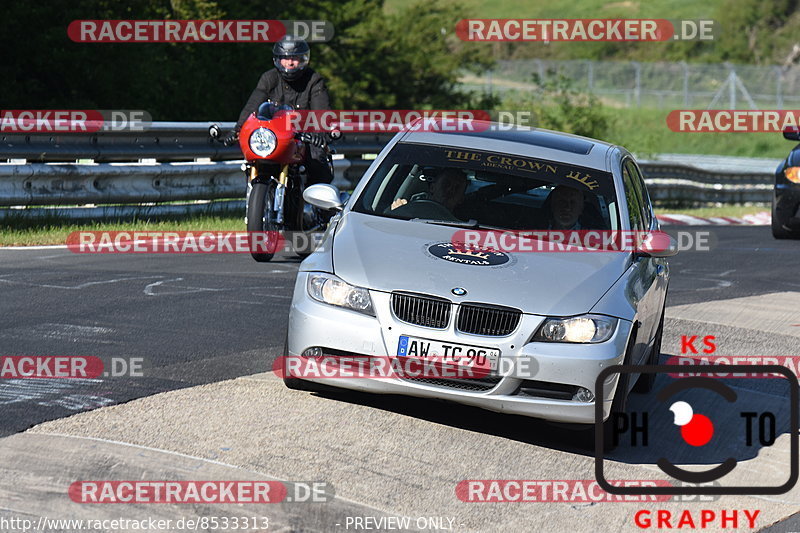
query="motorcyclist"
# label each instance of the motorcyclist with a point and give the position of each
(292, 82)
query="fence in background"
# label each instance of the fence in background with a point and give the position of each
(655, 85)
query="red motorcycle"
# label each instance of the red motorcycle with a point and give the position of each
(276, 175)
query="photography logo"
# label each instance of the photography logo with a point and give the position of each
(693, 419)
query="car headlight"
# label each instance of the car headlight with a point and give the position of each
(583, 329)
(263, 142)
(792, 174)
(331, 290)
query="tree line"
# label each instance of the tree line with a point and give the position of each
(410, 59)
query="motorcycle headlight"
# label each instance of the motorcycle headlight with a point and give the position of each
(579, 329)
(331, 290)
(263, 142)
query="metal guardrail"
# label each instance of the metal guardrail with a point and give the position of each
(169, 162)
(173, 162)
(679, 179)
(105, 183)
(162, 141)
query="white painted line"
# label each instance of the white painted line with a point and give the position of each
(75, 287)
(758, 219)
(202, 459)
(56, 392)
(37, 247)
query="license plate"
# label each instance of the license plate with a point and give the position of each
(449, 352)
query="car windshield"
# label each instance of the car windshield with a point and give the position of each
(458, 186)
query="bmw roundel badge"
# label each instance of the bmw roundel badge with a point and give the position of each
(459, 291)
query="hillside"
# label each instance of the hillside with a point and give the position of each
(748, 31)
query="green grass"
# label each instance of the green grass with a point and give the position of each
(55, 231)
(645, 132)
(29, 233)
(671, 9)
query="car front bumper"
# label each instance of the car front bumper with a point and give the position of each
(787, 205)
(334, 329)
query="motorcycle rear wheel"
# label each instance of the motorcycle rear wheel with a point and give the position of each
(261, 217)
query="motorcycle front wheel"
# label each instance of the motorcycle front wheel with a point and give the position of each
(261, 217)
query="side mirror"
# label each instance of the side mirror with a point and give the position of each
(324, 196)
(658, 244)
(792, 133)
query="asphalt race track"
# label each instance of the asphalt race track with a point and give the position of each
(205, 330)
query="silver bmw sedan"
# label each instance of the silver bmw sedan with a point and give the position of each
(487, 252)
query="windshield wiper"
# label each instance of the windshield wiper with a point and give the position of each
(472, 223)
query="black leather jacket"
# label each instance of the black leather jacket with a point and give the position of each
(306, 92)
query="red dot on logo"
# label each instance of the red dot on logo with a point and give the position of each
(698, 431)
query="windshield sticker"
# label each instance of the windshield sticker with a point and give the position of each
(585, 179)
(501, 162)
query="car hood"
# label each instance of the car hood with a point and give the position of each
(387, 254)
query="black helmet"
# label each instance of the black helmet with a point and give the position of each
(290, 46)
